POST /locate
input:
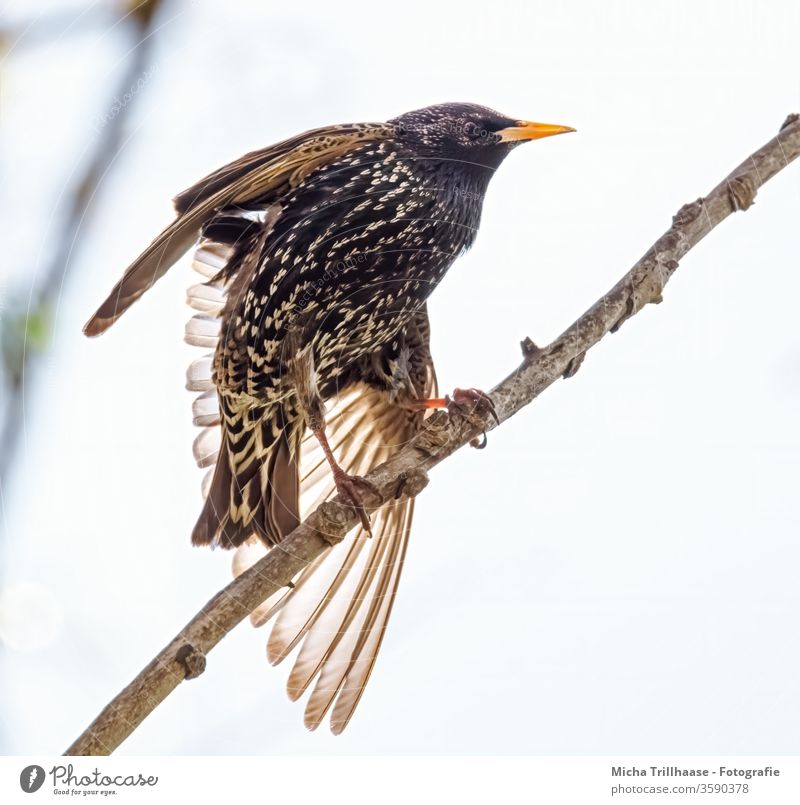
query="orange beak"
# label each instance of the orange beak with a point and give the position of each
(525, 130)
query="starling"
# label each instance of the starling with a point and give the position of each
(318, 255)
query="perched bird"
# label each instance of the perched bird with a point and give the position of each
(318, 255)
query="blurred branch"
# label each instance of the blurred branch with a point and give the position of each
(406, 473)
(41, 27)
(19, 350)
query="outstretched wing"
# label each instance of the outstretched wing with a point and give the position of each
(263, 176)
(336, 614)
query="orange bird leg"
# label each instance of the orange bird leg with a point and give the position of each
(431, 403)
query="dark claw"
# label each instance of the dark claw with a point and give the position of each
(479, 444)
(401, 485)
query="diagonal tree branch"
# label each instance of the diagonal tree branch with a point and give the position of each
(406, 473)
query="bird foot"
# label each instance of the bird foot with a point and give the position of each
(473, 401)
(474, 405)
(351, 488)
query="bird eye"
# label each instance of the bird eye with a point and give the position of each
(476, 131)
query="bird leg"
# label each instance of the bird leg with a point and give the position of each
(350, 487)
(474, 405)
(312, 409)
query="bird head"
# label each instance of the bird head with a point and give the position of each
(466, 131)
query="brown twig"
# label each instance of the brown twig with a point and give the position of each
(406, 472)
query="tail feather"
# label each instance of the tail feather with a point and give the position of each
(261, 499)
(280, 493)
(210, 528)
(205, 409)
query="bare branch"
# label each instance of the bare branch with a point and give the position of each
(406, 473)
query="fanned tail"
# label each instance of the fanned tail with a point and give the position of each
(337, 612)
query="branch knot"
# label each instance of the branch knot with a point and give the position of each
(687, 213)
(435, 436)
(530, 351)
(333, 523)
(741, 191)
(192, 659)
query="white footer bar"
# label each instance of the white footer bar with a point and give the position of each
(376, 780)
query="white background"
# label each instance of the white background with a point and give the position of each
(617, 572)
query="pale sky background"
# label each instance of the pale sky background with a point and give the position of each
(617, 573)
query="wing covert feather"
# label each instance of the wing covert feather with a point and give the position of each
(264, 176)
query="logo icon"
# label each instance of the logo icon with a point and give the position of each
(31, 779)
